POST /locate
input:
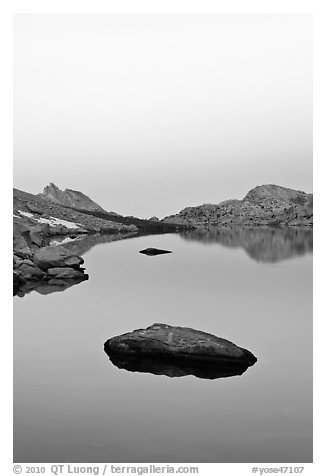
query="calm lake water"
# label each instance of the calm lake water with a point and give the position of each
(71, 404)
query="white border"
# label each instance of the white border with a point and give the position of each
(8, 8)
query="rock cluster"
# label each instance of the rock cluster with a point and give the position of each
(35, 264)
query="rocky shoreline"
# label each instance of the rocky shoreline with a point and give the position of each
(36, 266)
(52, 229)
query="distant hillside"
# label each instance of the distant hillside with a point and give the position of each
(264, 205)
(32, 209)
(69, 198)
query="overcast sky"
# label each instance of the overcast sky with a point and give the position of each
(148, 114)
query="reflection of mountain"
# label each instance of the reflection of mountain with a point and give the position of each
(177, 368)
(83, 244)
(266, 245)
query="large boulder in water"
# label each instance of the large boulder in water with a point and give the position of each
(56, 257)
(179, 344)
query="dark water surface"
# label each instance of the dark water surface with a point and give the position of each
(71, 404)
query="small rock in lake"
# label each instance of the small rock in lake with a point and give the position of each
(154, 252)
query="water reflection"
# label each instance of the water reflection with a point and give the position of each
(266, 245)
(177, 368)
(84, 243)
(47, 287)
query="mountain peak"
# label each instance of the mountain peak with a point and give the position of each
(69, 198)
(51, 185)
(276, 192)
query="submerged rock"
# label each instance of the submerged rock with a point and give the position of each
(189, 350)
(154, 251)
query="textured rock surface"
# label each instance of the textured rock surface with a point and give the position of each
(265, 205)
(56, 257)
(164, 342)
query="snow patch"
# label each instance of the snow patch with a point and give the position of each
(57, 221)
(26, 214)
(61, 242)
(52, 221)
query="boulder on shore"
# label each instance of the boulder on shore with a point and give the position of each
(66, 273)
(166, 343)
(56, 257)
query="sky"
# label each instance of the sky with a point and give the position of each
(150, 113)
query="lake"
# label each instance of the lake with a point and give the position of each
(252, 287)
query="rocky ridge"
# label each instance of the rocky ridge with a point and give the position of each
(264, 205)
(33, 209)
(69, 198)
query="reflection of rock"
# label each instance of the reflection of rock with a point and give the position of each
(177, 369)
(47, 287)
(266, 245)
(154, 252)
(176, 351)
